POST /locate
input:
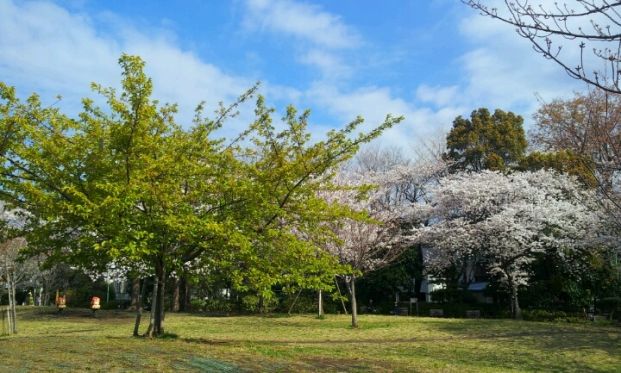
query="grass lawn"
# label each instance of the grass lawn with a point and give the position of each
(76, 341)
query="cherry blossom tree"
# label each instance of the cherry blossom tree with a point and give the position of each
(504, 222)
(589, 126)
(380, 191)
(586, 30)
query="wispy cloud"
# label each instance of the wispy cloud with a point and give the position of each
(301, 20)
(437, 95)
(317, 38)
(47, 49)
(501, 69)
(373, 103)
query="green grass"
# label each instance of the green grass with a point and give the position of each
(75, 341)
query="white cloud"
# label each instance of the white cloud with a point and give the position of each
(437, 95)
(329, 63)
(49, 50)
(303, 21)
(373, 103)
(317, 38)
(502, 70)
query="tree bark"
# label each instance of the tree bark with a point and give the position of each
(162, 298)
(176, 301)
(351, 286)
(294, 302)
(184, 301)
(9, 311)
(515, 304)
(136, 288)
(336, 281)
(320, 304)
(151, 330)
(13, 308)
(8, 320)
(141, 295)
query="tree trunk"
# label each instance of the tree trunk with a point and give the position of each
(515, 304)
(13, 308)
(9, 311)
(151, 330)
(162, 304)
(139, 300)
(294, 302)
(351, 286)
(136, 288)
(46, 297)
(8, 320)
(176, 301)
(184, 301)
(320, 304)
(336, 281)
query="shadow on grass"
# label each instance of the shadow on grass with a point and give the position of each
(51, 313)
(542, 340)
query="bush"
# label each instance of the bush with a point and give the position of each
(458, 310)
(545, 315)
(611, 306)
(198, 304)
(217, 305)
(256, 304)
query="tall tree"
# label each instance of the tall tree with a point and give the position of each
(127, 184)
(486, 141)
(505, 221)
(592, 27)
(381, 188)
(588, 127)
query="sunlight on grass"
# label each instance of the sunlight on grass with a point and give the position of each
(76, 340)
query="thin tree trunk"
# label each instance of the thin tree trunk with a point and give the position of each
(136, 288)
(354, 306)
(9, 317)
(9, 310)
(176, 301)
(184, 295)
(46, 297)
(13, 311)
(336, 281)
(320, 304)
(8, 320)
(141, 296)
(515, 304)
(294, 302)
(161, 298)
(150, 330)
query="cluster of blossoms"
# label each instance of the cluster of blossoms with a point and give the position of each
(504, 221)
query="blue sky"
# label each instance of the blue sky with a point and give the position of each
(427, 60)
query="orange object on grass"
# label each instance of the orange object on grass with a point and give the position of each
(95, 303)
(61, 301)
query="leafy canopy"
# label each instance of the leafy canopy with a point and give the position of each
(486, 141)
(127, 183)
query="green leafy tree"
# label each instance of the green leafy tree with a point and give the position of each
(486, 141)
(127, 184)
(563, 161)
